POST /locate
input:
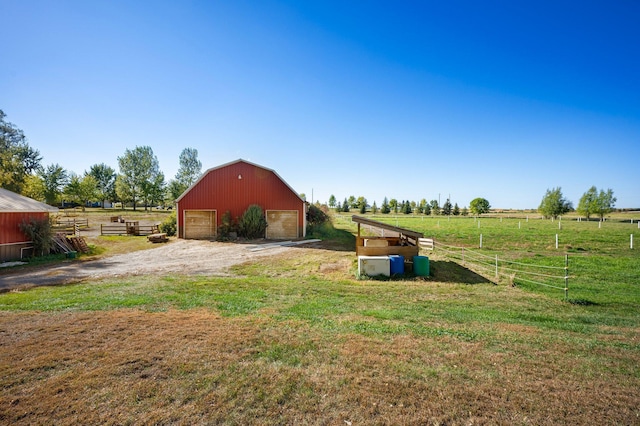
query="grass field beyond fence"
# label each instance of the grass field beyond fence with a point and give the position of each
(603, 269)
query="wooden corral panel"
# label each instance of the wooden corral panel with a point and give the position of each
(282, 224)
(200, 224)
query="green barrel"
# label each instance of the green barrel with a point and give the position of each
(421, 266)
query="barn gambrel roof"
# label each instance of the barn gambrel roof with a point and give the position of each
(230, 164)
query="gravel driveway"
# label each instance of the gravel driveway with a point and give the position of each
(187, 257)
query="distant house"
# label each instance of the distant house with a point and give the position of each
(233, 187)
(14, 209)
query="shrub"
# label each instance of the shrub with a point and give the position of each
(316, 216)
(227, 227)
(252, 224)
(169, 226)
(39, 232)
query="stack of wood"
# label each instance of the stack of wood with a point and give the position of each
(61, 244)
(65, 244)
(79, 244)
(158, 238)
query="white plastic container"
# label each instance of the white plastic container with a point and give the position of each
(374, 265)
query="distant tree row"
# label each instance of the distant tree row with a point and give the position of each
(139, 181)
(405, 206)
(553, 204)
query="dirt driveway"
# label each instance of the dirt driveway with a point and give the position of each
(188, 257)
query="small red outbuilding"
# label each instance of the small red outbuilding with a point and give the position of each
(233, 187)
(14, 209)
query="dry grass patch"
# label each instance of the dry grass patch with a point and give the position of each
(195, 367)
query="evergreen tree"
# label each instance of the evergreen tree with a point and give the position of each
(447, 208)
(385, 208)
(406, 207)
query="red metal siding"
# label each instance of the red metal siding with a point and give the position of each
(235, 187)
(10, 226)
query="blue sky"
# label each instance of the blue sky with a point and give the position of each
(409, 100)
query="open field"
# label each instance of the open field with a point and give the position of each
(602, 267)
(295, 338)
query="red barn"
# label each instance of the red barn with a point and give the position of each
(14, 209)
(233, 187)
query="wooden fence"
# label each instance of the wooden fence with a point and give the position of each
(129, 228)
(72, 222)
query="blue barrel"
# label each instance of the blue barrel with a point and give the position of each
(397, 264)
(421, 266)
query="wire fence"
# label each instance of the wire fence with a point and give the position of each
(556, 277)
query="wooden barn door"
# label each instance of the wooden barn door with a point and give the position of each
(200, 224)
(282, 224)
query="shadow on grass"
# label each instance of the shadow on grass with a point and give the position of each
(582, 302)
(451, 272)
(332, 238)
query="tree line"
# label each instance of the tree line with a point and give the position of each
(593, 202)
(477, 206)
(138, 181)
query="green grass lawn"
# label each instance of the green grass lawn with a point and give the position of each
(297, 338)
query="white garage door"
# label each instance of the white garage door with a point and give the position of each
(282, 224)
(200, 224)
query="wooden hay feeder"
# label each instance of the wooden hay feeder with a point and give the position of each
(391, 239)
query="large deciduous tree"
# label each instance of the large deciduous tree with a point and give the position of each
(17, 159)
(606, 202)
(105, 178)
(54, 179)
(34, 187)
(587, 203)
(188, 172)
(81, 189)
(393, 204)
(190, 167)
(554, 204)
(332, 201)
(140, 178)
(479, 205)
